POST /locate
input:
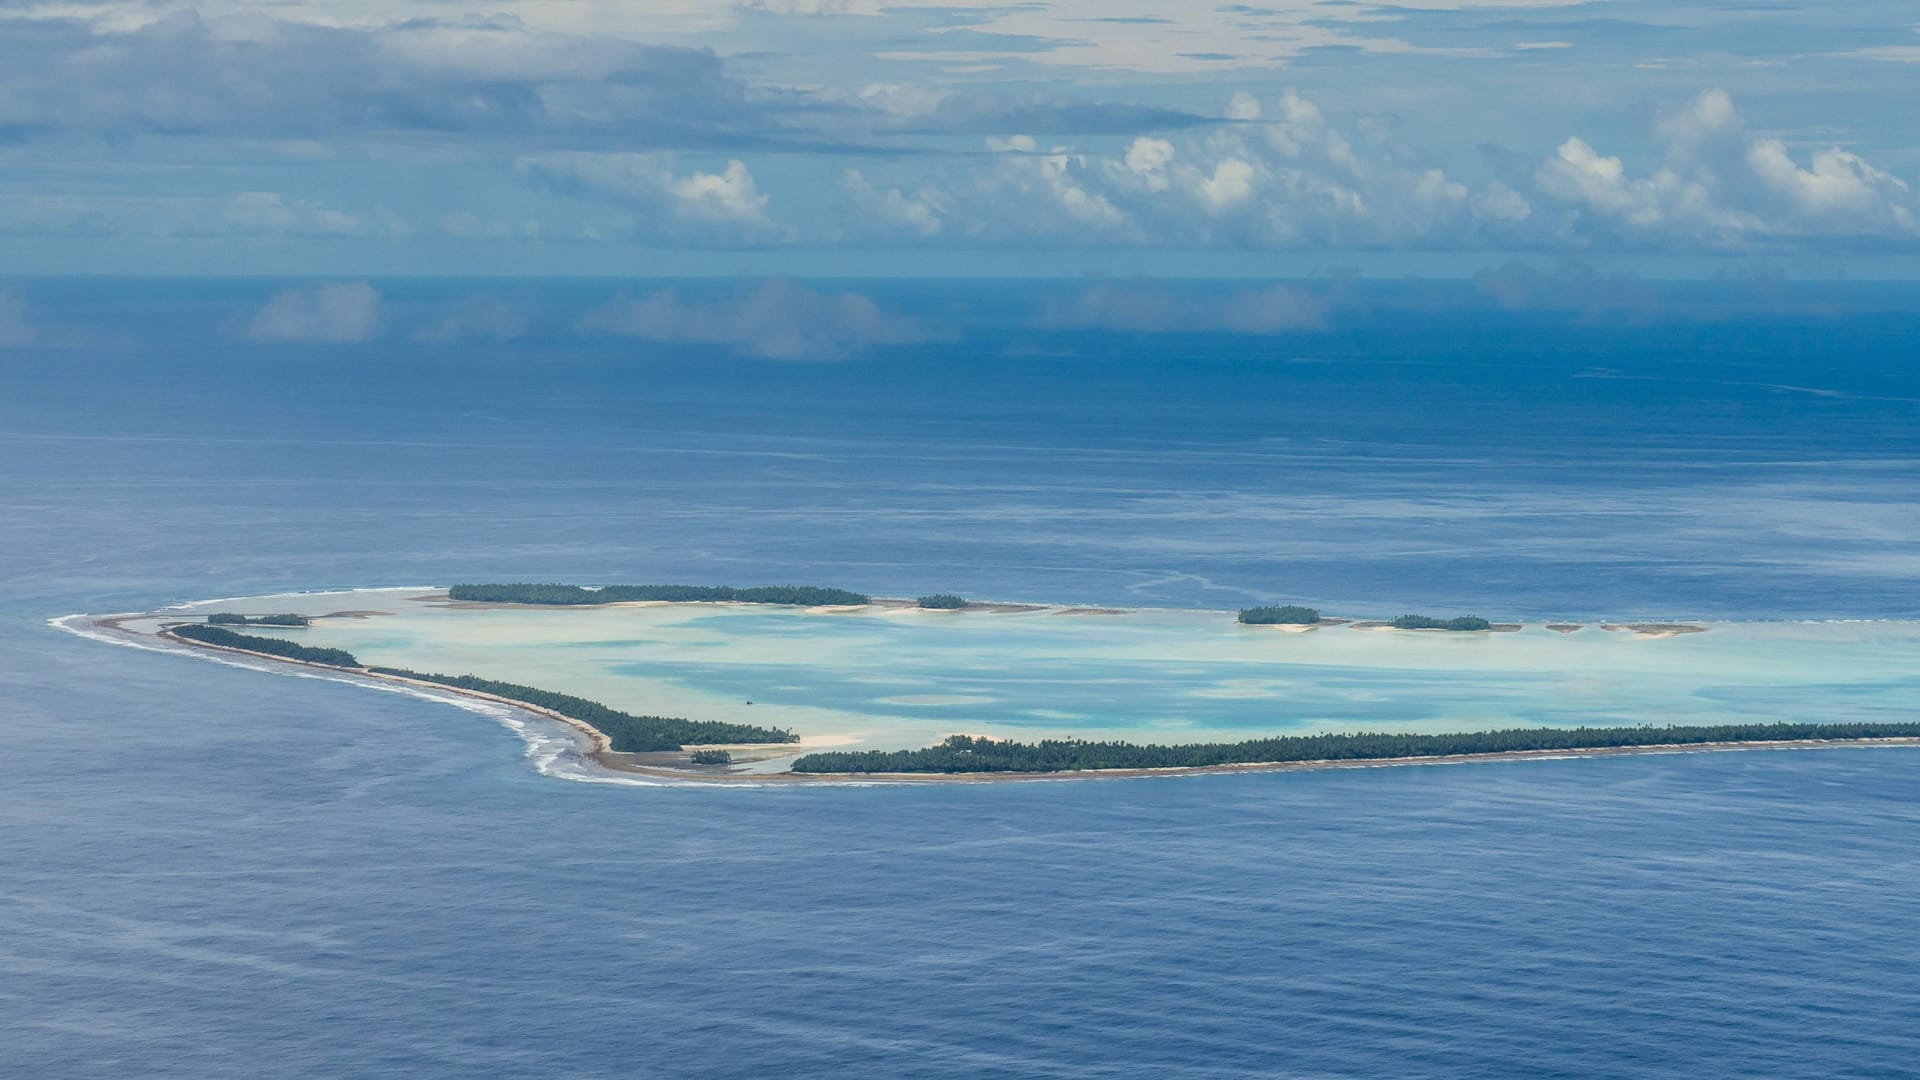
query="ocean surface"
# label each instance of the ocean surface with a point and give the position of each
(211, 872)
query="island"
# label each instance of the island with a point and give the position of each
(726, 750)
(1462, 623)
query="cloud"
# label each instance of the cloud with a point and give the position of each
(256, 75)
(1157, 309)
(16, 323)
(478, 317)
(1727, 189)
(1280, 176)
(727, 197)
(302, 73)
(726, 203)
(779, 320)
(21, 328)
(272, 213)
(921, 212)
(341, 314)
(1569, 285)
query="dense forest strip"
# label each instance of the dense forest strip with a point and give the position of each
(964, 754)
(228, 619)
(290, 650)
(1283, 615)
(1427, 622)
(569, 595)
(625, 732)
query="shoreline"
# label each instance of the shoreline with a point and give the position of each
(601, 754)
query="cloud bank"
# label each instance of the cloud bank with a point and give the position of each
(779, 320)
(211, 128)
(342, 314)
(1145, 307)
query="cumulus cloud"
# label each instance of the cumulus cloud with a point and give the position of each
(1284, 175)
(1158, 309)
(920, 212)
(779, 320)
(1281, 175)
(1721, 186)
(727, 200)
(338, 314)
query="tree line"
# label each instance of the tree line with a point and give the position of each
(1427, 622)
(1283, 615)
(625, 732)
(967, 754)
(566, 595)
(291, 650)
(229, 619)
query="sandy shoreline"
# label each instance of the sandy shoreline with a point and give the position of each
(603, 756)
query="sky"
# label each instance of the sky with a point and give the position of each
(873, 138)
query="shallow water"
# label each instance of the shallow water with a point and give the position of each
(210, 872)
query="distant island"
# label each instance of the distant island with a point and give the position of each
(941, 602)
(574, 595)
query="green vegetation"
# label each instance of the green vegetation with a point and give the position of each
(228, 619)
(795, 595)
(291, 650)
(945, 601)
(1285, 615)
(625, 732)
(964, 754)
(1423, 622)
(712, 757)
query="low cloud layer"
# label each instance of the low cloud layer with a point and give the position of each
(1145, 307)
(1281, 175)
(16, 325)
(670, 200)
(779, 320)
(342, 314)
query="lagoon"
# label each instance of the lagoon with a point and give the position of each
(886, 677)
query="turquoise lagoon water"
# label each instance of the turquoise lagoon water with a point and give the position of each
(891, 678)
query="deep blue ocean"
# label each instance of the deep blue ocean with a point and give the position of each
(208, 872)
